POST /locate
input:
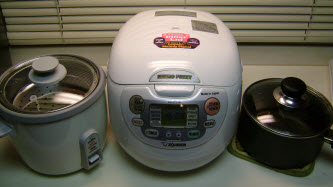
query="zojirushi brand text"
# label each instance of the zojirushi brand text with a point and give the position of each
(173, 144)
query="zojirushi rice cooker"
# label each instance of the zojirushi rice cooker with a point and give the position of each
(53, 108)
(174, 88)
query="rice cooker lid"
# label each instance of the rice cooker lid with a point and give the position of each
(161, 50)
(288, 107)
(45, 87)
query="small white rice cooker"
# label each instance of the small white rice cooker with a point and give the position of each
(174, 88)
(54, 109)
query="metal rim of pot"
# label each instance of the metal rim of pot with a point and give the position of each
(71, 110)
(309, 90)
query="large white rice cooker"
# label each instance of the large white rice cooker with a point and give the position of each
(174, 88)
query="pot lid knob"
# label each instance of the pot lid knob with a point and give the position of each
(293, 87)
(45, 64)
(47, 71)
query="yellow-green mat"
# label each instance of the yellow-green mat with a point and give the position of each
(237, 150)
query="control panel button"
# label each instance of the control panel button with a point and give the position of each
(193, 133)
(136, 104)
(192, 109)
(192, 116)
(155, 116)
(155, 123)
(168, 134)
(137, 122)
(191, 124)
(151, 132)
(178, 134)
(209, 123)
(91, 151)
(212, 106)
(93, 159)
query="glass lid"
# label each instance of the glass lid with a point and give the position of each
(47, 84)
(288, 107)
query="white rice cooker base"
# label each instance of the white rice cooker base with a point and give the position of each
(54, 148)
(172, 158)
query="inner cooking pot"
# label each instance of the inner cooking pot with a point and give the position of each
(284, 122)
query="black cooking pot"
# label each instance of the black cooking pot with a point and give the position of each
(284, 122)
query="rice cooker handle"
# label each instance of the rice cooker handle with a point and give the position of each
(6, 129)
(174, 90)
(328, 137)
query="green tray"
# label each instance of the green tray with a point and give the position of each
(237, 150)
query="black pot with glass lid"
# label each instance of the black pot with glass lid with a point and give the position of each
(284, 122)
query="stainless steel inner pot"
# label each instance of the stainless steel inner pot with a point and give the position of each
(19, 94)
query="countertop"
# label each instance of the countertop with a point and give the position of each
(119, 169)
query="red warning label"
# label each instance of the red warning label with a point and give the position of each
(176, 40)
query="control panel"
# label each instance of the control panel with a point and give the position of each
(174, 123)
(91, 151)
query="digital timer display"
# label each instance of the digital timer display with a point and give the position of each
(173, 116)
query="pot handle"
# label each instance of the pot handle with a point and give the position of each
(5, 129)
(328, 137)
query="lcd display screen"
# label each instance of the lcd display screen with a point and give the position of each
(173, 116)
